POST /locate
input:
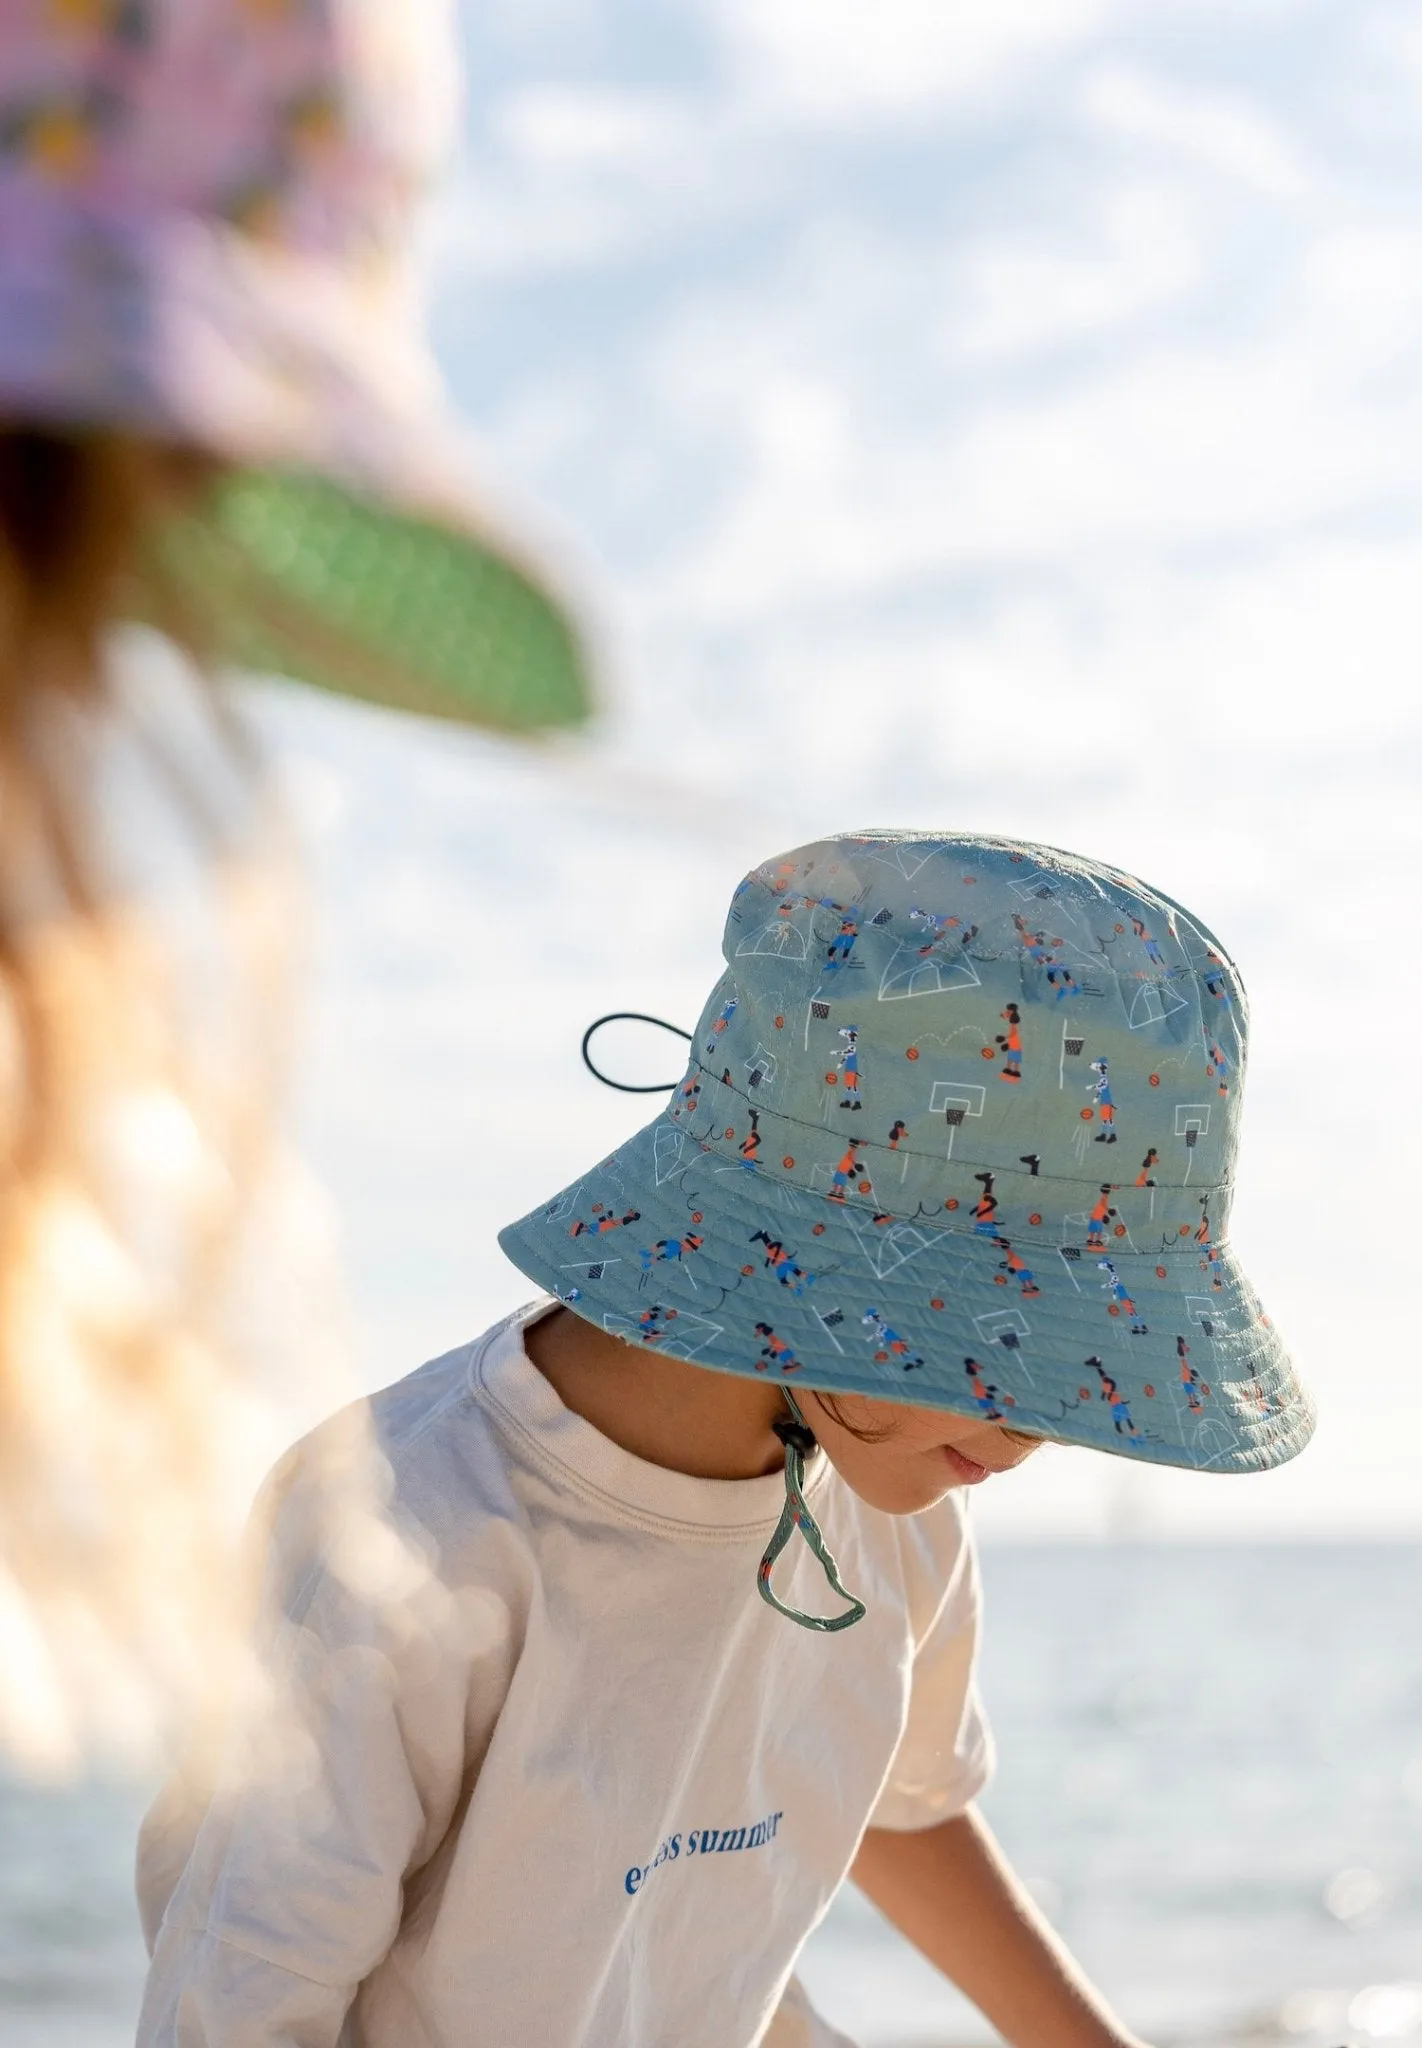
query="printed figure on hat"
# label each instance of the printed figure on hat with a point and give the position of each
(1100, 1216)
(749, 1147)
(1217, 1067)
(985, 1208)
(1209, 1255)
(1100, 1088)
(891, 1344)
(672, 1249)
(1115, 1400)
(1145, 1178)
(1016, 1267)
(898, 1131)
(652, 1322)
(781, 1262)
(1035, 943)
(986, 1397)
(1214, 979)
(1152, 946)
(846, 1172)
(1121, 1303)
(848, 1063)
(1195, 1388)
(774, 1351)
(778, 879)
(604, 1220)
(842, 944)
(1043, 952)
(938, 927)
(728, 1010)
(1011, 1043)
(687, 1095)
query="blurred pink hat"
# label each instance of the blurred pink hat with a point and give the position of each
(206, 214)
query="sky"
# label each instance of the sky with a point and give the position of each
(987, 418)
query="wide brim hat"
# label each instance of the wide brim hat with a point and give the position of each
(207, 216)
(958, 1130)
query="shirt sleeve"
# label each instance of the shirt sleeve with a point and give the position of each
(945, 1754)
(286, 1887)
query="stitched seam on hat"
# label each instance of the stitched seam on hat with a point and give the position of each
(1018, 1235)
(878, 1145)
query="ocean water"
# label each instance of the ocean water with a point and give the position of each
(1210, 1773)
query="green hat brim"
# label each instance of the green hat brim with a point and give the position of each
(292, 574)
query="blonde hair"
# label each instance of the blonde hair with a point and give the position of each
(140, 1045)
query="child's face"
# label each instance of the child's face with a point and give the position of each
(912, 1456)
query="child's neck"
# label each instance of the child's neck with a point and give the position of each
(711, 1425)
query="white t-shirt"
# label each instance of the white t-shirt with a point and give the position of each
(577, 1787)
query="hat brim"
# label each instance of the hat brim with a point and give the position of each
(347, 544)
(294, 574)
(908, 1311)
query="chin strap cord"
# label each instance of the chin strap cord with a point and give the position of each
(799, 1440)
(796, 1434)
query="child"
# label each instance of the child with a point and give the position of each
(545, 1771)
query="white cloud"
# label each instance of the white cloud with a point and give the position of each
(567, 178)
(1361, 292)
(577, 130)
(1014, 298)
(1220, 132)
(839, 63)
(480, 232)
(1179, 446)
(1390, 38)
(1121, 370)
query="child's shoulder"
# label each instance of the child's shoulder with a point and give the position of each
(419, 1455)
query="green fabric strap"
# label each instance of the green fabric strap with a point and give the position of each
(798, 1437)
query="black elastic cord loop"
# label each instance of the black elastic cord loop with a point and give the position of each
(632, 1017)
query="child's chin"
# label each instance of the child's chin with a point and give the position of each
(911, 1497)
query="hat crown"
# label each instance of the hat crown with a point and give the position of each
(986, 1033)
(311, 122)
(958, 1130)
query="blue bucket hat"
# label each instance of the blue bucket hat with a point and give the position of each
(958, 1129)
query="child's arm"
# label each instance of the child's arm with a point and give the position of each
(952, 1893)
(269, 1910)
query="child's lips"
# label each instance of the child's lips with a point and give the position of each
(968, 1470)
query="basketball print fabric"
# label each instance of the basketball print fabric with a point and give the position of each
(958, 1129)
